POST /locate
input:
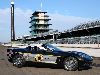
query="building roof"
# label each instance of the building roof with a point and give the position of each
(37, 12)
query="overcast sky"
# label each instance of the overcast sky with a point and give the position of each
(64, 14)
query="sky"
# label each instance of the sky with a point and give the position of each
(64, 14)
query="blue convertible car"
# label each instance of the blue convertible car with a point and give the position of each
(71, 60)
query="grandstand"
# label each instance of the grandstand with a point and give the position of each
(94, 39)
(87, 33)
(87, 29)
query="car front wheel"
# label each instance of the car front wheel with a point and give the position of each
(70, 64)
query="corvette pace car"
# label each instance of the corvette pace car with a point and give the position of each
(71, 60)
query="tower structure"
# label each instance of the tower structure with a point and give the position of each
(39, 23)
(12, 22)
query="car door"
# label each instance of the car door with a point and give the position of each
(48, 56)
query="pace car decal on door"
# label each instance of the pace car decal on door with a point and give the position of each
(39, 57)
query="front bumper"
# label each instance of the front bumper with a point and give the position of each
(85, 63)
(88, 63)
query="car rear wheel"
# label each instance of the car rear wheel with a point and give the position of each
(70, 64)
(18, 61)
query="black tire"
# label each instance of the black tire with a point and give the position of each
(70, 64)
(18, 61)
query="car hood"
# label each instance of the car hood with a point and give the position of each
(84, 56)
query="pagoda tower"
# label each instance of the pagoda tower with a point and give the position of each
(39, 23)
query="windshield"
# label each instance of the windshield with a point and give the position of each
(51, 47)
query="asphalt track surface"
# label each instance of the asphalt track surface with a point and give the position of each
(7, 68)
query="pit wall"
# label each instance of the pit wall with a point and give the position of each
(60, 45)
(78, 45)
